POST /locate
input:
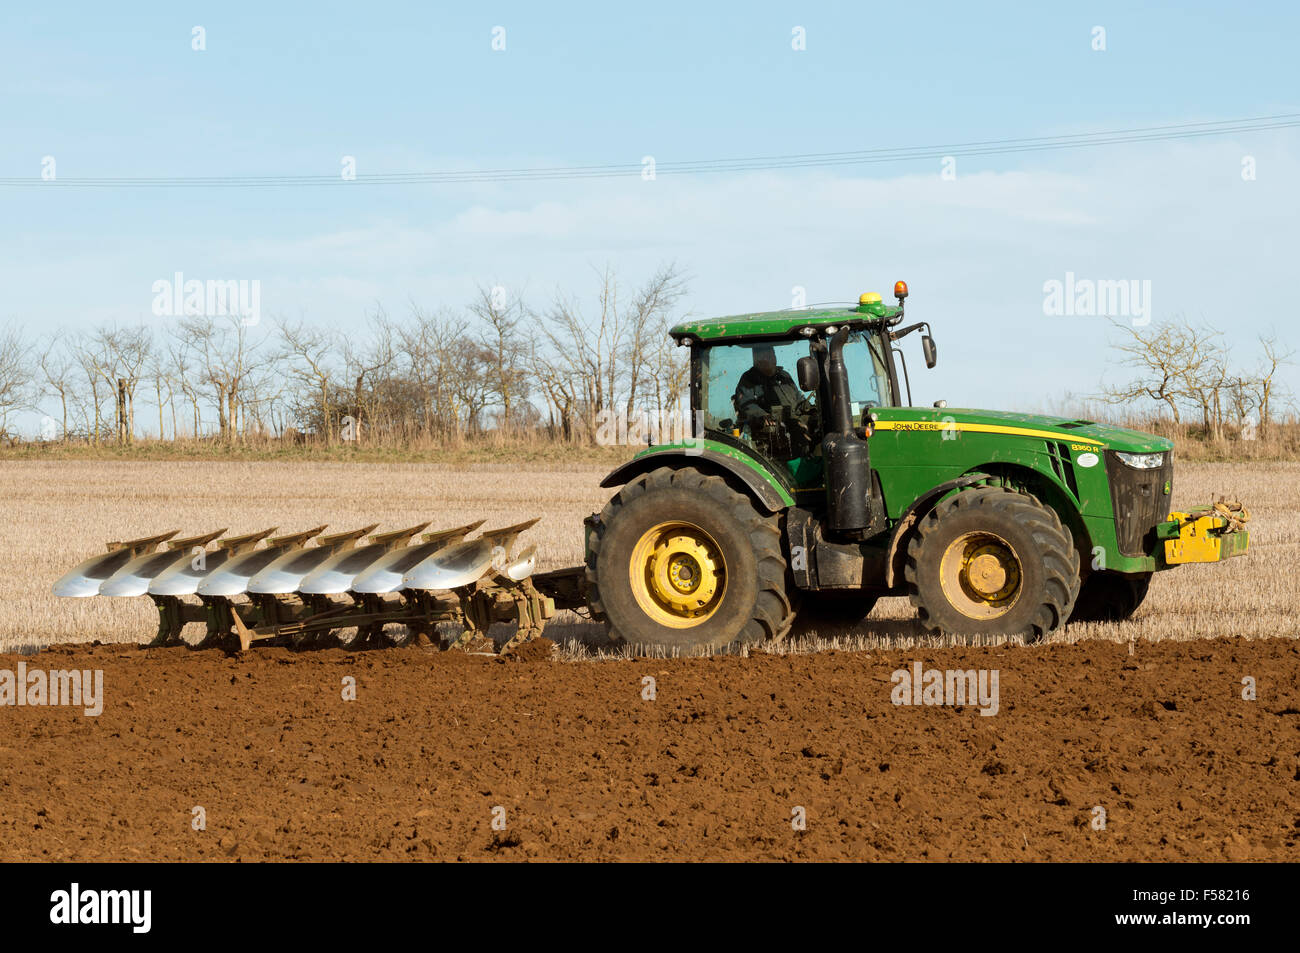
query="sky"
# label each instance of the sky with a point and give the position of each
(118, 90)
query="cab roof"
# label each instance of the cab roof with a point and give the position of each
(781, 324)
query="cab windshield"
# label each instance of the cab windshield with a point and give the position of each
(868, 374)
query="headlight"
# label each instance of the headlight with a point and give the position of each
(1142, 461)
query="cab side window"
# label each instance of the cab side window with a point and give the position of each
(749, 390)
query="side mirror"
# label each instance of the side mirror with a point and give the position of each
(809, 377)
(928, 349)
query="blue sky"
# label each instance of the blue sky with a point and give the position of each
(117, 90)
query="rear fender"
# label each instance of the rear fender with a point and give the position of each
(761, 486)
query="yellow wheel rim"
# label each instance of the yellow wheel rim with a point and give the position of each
(981, 575)
(678, 574)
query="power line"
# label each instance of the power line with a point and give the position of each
(986, 147)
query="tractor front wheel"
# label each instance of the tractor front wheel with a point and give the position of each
(681, 563)
(992, 561)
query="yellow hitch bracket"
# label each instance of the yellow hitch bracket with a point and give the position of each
(1202, 538)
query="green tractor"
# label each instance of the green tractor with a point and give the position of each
(808, 484)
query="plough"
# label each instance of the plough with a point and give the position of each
(303, 588)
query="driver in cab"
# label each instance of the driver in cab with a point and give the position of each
(771, 406)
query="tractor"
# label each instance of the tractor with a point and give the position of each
(807, 486)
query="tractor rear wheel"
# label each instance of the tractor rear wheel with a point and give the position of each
(680, 562)
(1110, 596)
(992, 561)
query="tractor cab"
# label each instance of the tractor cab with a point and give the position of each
(798, 389)
(751, 392)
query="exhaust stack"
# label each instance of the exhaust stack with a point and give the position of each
(847, 460)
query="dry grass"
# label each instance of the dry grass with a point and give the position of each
(59, 512)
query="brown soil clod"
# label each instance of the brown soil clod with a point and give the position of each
(535, 650)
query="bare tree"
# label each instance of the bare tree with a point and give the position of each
(1241, 401)
(1166, 360)
(588, 345)
(123, 354)
(430, 347)
(670, 372)
(472, 386)
(644, 327)
(560, 384)
(1275, 356)
(92, 364)
(310, 351)
(181, 365)
(58, 369)
(224, 352)
(15, 376)
(159, 371)
(1203, 374)
(366, 365)
(501, 315)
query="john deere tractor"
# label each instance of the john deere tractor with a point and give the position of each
(809, 484)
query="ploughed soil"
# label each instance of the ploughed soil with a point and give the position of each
(575, 763)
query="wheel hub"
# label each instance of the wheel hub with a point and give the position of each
(981, 575)
(677, 574)
(988, 571)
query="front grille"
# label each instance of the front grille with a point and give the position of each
(1140, 502)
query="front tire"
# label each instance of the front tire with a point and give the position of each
(681, 563)
(992, 561)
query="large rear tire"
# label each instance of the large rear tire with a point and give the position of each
(680, 562)
(1110, 596)
(992, 561)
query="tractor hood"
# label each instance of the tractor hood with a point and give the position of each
(1026, 425)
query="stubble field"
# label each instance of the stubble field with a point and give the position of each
(58, 513)
(580, 763)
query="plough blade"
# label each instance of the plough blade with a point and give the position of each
(183, 579)
(286, 574)
(466, 562)
(233, 578)
(388, 573)
(506, 536)
(89, 575)
(134, 578)
(335, 577)
(457, 566)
